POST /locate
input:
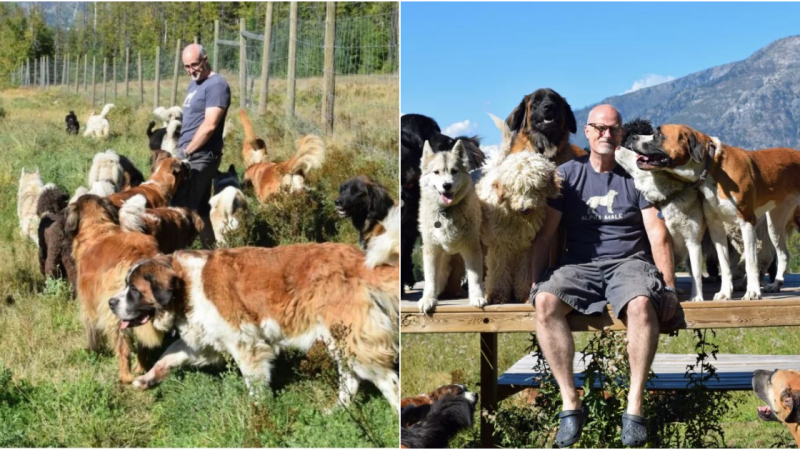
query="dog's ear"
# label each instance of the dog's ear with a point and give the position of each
(499, 191)
(163, 293)
(23, 173)
(427, 154)
(197, 221)
(516, 120)
(572, 125)
(791, 400)
(72, 220)
(697, 148)
(460, 151)
(554, 186)
(379, 200)
(232, 169)
(110, 209)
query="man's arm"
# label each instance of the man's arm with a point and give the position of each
(661, 245)
(213, 117)
(540, 248)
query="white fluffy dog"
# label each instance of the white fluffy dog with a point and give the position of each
(97, 125)
(682, 210)
(168, 115)
(224, 207)
(30, 188)
(106, 167)
(513, 198)
(449, 222)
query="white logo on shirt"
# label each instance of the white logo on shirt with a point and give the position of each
(188, 99)
(602, 200)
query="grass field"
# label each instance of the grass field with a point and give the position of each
(54, 393)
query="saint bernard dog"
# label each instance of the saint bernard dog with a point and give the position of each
(160, 188)
(251, 302)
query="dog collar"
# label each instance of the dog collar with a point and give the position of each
(696, 185)
(438, 224)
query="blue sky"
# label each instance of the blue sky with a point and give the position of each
(461, 60)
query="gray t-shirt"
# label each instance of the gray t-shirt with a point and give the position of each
(602, 214)
(213, 91)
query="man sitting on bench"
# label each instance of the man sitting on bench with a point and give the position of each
(613, 236)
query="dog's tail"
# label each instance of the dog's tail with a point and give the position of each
(106, 166)
(310, 155)
(131, 214)
(385, 248)
(150, 127)
(106, 109)
(507, 137)
(249, 135)
(80, 192)
(448, 415)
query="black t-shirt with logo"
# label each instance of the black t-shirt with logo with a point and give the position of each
(602, 213)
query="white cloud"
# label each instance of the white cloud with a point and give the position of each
(460, 128)
(648, 80)
(490, 150)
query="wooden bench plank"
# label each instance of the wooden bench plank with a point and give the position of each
(735, 371)
(456, 316)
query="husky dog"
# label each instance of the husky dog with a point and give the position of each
(30, 188)
(449, 221)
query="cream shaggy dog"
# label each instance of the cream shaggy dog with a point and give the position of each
(513, 198)
(167, 115)
(682, 209)
(97, 125)
(29, 190)
(107, 167)
(171, 119)
(224, 207)
(449, 222)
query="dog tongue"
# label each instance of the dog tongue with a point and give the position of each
(642, 158)
(765, 409)
(446, 200)
(124, 324)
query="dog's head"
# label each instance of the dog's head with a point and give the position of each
(171, 171)
(52, 200)
(524, 181)
(445, 174)
(669, 147)
(71, 117)
(27, 177)
(150, 287)
(544, 112)
(362, 197)
(88, 211)
(155, 157)
(780, 389)
(415, 130)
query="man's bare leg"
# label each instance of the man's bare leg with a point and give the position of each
(642, 323)
(557, 343)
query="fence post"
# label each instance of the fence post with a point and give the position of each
(77, 70)
(141, 83)
(242, 65)
(94, 71)
(127, 68)
(393, 39)
(114, 78)
(329, 87)
(174, 95)
(65, 70)
(262, 101)
(216, 46)
(290, 77)
(85, 71)
(105, 86)
(36, 63)
(45, 72)
(28, 72)
(158, 77)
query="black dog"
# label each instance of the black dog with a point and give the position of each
(415, 130)
(55, 249)
(432, 426)
(156, 137)
(366, 203)
(73, 126)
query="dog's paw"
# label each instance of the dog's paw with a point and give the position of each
(752, 295)
(697, 298)
(426, 304)
(722, 295)
(478, 302)
(740, 285)
(773, 287)
(495, 298)
(143, 383)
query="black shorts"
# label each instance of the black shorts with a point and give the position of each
(195, 191)
(589, 287)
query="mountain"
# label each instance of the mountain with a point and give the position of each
(752, 104)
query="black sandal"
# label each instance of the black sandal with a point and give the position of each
(634, 430)
(571, 426)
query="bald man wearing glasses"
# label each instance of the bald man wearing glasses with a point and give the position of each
(618, 252)
(204, 110)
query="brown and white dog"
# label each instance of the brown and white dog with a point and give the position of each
(268, 178)
(174, 228)
(542, 123)
(161, 186)
(251, 302)
(254, 150)
(104, 253)
(781, 391)
(738, 186)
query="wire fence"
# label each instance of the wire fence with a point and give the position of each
(365, 68)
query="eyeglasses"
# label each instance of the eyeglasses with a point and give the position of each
(615, 130)
(194, 65)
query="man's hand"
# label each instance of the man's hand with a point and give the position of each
(668, 305)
